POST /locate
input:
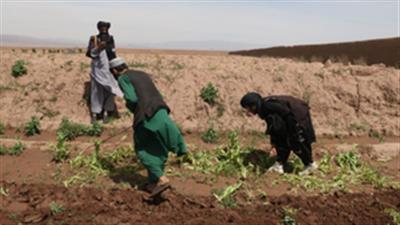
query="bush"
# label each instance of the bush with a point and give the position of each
(2, 128)
(71, 130)
(209, 94)
(60, 150)
(19, 68)
(16, 149)
(210, 136)
(32, 127)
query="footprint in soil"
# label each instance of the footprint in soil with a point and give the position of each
(34, 217)
(156, 200)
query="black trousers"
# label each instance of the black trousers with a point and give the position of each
(302, 149)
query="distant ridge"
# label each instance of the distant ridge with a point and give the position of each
(27, 41)
(212, 45)
(385, 50)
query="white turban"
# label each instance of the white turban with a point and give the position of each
(116, 62)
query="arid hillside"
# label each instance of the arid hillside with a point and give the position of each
(344, 99)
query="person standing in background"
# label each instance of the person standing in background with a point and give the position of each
(103, 86)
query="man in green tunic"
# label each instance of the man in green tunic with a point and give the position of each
(155, 134)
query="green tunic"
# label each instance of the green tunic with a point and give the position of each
(155, 137)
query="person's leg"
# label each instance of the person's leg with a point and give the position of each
(304, 152)
(152, 155)
(282, 154)
(109, 106)
(96, 99)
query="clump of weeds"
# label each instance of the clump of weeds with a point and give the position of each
(32, 127)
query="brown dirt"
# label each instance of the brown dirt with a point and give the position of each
(30, 203)
(345, 100)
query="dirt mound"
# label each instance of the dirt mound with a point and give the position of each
(49, 204)
(368, 52)
(344, 99)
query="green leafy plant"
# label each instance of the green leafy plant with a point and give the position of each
(209, 94)
(83, 66)
(72, 130)
(16, 149)
(226, 196)
(60, 150)
(199, 161)
(377, 135)
(89, 167)
(19, 68)
(394, 214)
(210, 136)
(231, 158)
(2, 128)
(325, 163)
(3, 191)
(348, 160)
(32, 127)
(56, 208)
(288, 216)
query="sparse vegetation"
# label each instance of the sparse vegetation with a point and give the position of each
(32, 127)
(138, 65)
(19, 68)
(3, 191)
(288, 216)
(89, 167)
(72, 130)
(394, 214)
(56, 208)
(16, 149)
(177, 66)
(209, 94)
(375, 134)
(210, 136)
(83, 66)
(226, 195)
(2, 128)
(60, 150)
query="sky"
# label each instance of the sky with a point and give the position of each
(211, 23)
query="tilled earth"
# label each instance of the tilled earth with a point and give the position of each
(29, 203)
(28, 191)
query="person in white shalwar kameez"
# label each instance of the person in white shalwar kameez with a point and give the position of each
(104, 87)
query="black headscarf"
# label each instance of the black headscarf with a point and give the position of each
(103, 24)
(251, 99)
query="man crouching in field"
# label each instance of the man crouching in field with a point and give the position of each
(154, 132)
(289, 125)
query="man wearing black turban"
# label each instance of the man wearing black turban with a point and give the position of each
(288, 124)
(103, 36)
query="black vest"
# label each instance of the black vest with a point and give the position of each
(149, 98)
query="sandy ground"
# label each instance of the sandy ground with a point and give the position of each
(345, 100)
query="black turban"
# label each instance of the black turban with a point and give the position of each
(251, 99)
(103, 24)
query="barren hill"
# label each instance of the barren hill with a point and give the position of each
(344, 99)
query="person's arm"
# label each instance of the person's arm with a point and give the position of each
(113, 46)
(130, 96)
(90, 46)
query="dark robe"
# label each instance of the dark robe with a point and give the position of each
(287, 118)
(110, 45)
